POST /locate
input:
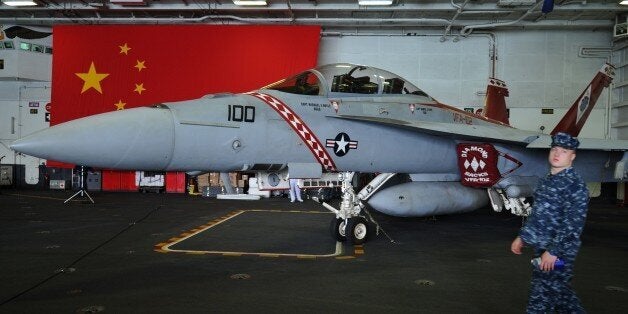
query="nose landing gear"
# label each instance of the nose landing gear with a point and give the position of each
(355, 230)
(351, 223)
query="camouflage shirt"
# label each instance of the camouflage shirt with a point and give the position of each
(558, 215)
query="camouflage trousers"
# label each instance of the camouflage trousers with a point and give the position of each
(551, 292)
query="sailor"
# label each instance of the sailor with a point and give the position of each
(295, 190)
(553, 230)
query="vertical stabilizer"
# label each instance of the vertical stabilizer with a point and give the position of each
(495, 106)
(577, 115)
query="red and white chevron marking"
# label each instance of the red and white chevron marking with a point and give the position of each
(302, 130)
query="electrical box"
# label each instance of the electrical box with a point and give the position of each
(621, 30)
(6, 175)
(93, 180)
(58, 184)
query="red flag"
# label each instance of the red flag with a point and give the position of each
(109, 67)
(103, 68)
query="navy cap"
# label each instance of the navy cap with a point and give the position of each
(565, 140)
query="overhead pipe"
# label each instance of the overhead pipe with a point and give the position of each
(465, 31)
(387, 22)
(228, 6)
(391, 21)
(290, 9)
(458, 12)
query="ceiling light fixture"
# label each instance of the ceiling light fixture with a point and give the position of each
(250, 2)
(624, 2)
(129, 2)
(375, 2)
(19, 3)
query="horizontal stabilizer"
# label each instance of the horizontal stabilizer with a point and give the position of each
(544, 141)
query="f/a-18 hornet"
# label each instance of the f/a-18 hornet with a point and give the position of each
(334, 121)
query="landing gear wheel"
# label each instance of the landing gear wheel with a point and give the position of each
(357, 230)
(337, 228)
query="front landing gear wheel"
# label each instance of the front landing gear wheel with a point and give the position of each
(337, 228)
(357, 230)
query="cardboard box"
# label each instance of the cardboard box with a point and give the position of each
(214, 179)
(203, 180)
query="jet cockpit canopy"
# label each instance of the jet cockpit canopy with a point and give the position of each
(345, 79)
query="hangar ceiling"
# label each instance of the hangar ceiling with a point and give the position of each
(464, 15)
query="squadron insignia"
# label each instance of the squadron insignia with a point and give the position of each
(341, 144)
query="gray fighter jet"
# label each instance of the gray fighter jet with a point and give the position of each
(332, 122)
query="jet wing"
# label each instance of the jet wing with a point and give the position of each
(495, 133)
(458, 131)
(544, 141)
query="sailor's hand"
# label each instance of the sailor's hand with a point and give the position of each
(516, 245)
(547, 261)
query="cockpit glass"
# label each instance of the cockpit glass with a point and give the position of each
(356, 80)
(346, 78)
(305, 83)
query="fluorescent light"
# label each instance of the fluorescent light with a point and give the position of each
(375, 2)
(249, 2)
(624, 2)
(128, 2)
(19, 3)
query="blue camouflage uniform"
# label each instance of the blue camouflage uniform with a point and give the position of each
(555, 225)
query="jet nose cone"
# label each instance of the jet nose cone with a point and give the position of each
(139, 138)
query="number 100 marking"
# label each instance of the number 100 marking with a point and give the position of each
(241, 113)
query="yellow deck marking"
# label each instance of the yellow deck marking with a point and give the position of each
(44, 197)
(306, 256)
(268, 255)
(345, 257)
(166, 247)
(231, 254)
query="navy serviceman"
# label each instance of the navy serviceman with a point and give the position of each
(553, 230)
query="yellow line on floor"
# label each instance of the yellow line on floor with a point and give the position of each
(165, 247)
(43, 197)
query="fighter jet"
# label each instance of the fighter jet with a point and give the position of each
(334, 121)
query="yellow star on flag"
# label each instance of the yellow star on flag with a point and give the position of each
(139, 88)
(140, 66)
(125, 49)
(120, 105)
(92, 79)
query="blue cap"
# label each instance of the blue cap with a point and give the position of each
(565, 140)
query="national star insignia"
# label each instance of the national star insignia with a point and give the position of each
(341, 144)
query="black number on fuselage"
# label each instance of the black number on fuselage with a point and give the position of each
(241, 113)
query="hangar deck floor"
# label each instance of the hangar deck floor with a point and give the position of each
(155, 253)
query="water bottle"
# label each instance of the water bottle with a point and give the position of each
(559, 264)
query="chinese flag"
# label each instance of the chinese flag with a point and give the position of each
(112, 67)
(102, 68)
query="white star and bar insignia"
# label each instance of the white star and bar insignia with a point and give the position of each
(341, 144)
